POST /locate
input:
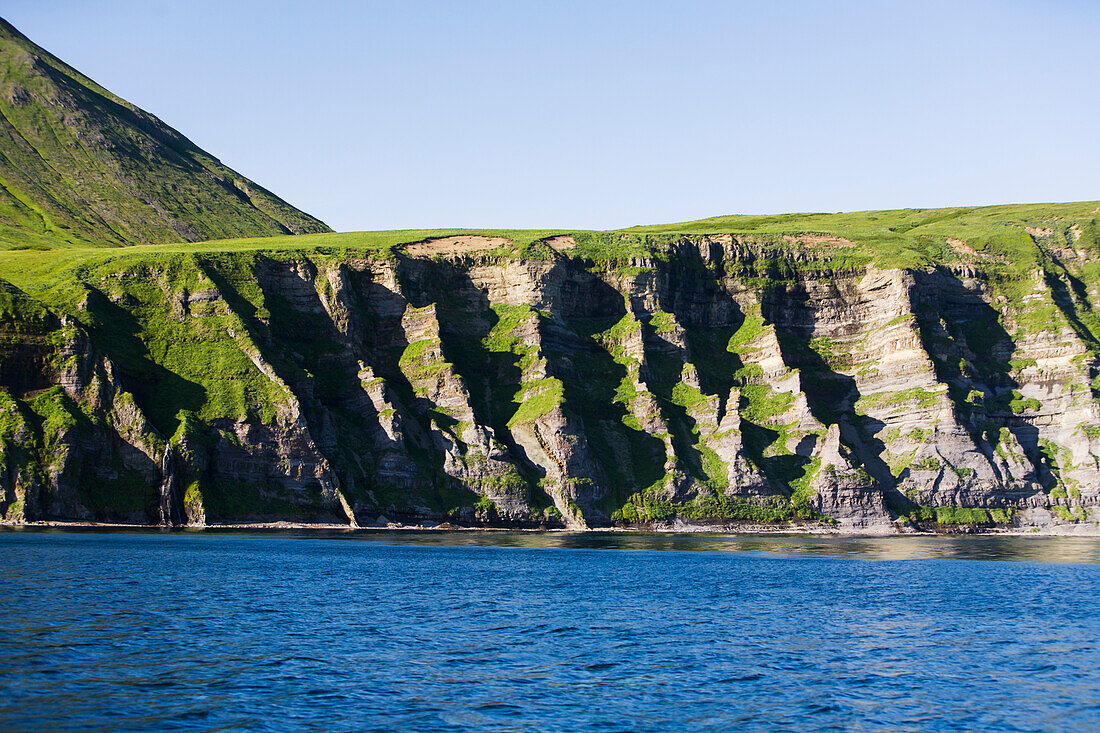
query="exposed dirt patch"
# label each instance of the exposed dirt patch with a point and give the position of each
(969, 253)
(814, 240)
(455, 245)
(1039, 232)
(561, 243)
(1068, 253)
(962, 247)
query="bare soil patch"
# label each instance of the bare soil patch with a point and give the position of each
(968, 252)
(561, 243)
(1039, 232)
(962, 247)
(458, 245)
(814, 240)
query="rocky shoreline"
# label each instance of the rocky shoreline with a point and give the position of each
(1053, 530)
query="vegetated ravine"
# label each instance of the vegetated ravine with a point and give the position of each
(877, 371)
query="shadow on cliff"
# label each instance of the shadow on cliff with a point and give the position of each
(320, 364)
(582, 306)
(831, 395)
(159, 392)
(710, 316)
(383, 341)
(304, 351)
(492, 378)
(970, 350)
(1071, 296)
(25, 348)
(299, 346)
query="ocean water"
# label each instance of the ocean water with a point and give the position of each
(554, 632)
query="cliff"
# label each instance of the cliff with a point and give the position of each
(896, 376)
(872, 371)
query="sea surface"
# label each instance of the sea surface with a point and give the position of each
(549, 632)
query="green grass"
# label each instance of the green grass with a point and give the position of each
(829, 351)
(801, 492)
(919, 397)
(950, 515)
(905, 238)
(662, 323)
(909, 237)
(648, 506)
(751, 329)
(686, 396)
(1064, 514)
(417, 362)
(763, 404)
(1018, 405)
(928, 463)
(539, 398)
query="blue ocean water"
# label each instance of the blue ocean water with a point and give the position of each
(556, 632)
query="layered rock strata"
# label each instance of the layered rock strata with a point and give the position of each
(719, 382)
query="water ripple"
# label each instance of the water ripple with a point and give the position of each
(559, 632)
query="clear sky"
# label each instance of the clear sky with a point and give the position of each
(591, 114)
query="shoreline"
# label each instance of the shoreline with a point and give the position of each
(883, 532)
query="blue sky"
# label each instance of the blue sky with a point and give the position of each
(408, 114)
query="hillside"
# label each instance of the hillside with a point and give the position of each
(871, 372)
(81, 167)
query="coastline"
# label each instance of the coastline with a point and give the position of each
(1080, 530)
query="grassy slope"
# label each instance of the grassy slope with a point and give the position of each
(917, 237)
(41, 270)
(81, 167)
(887, 223)
(899, 238)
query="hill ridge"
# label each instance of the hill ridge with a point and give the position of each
(80, 166)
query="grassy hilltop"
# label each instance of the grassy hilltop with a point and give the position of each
(1005, 241)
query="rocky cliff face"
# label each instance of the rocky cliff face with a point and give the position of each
(719, 380)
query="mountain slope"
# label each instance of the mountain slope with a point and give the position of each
(79, 166)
